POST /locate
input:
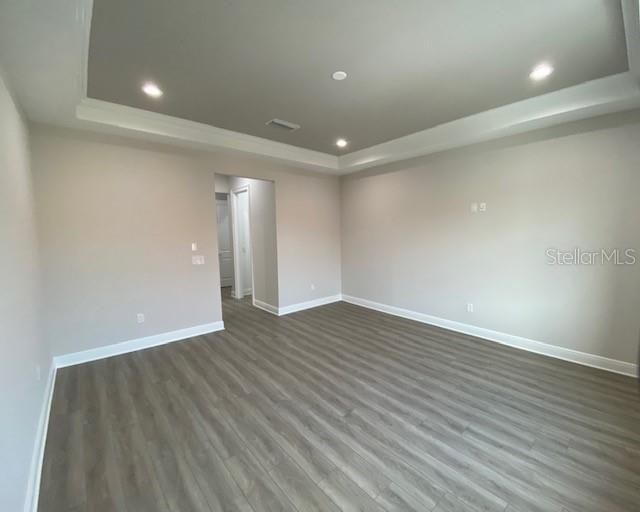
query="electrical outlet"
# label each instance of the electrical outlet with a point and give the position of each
(140, 318)
(469, 308)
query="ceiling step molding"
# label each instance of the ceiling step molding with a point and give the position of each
(604, 96)
(172, 129)
(607, 95)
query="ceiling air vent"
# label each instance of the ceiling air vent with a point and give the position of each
(283, 125)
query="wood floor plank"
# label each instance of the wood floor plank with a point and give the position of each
(261, 491)
(339, 408)
(300, 489)
(164, 444)
(347, 495)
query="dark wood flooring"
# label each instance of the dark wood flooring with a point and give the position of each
(340, 408)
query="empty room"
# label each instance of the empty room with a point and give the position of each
(309, 256)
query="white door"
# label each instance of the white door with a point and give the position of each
(244, 243)
(225, 249)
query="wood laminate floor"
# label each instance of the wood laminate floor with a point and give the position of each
(340, 408)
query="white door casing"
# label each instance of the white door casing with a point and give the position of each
(241, 241)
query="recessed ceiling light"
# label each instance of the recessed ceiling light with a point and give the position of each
(341, 143)
(151, 89)
(339, 75)
(541, 71)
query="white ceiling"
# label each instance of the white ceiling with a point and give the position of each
(44, 54)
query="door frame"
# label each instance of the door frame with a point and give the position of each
(237, 293)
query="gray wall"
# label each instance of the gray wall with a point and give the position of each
(263, 237)
(308, 225)
(410, 240)
(117, 223)
(22, 349)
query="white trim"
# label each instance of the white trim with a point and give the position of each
(606, 95)
(529, 345)
(266, 307)
(35, 473)
(603, 96)
(237, 274)
(166, 128)
(136, 344)
(67, 104)
(630, 16)
(84, 14)
(309, 304)
(33, 489)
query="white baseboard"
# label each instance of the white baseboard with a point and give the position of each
(133, 345)
(266, 307)
(309, 304)
(33, 488)
(37, 458)
(296, 307)
(529, 345)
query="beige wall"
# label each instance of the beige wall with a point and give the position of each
(222, 184)
(22, 348)
(118, 218)
(263, 237)
(117, 223)
(410, 240)
(308, 225)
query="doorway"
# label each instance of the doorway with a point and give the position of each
(247, 242)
